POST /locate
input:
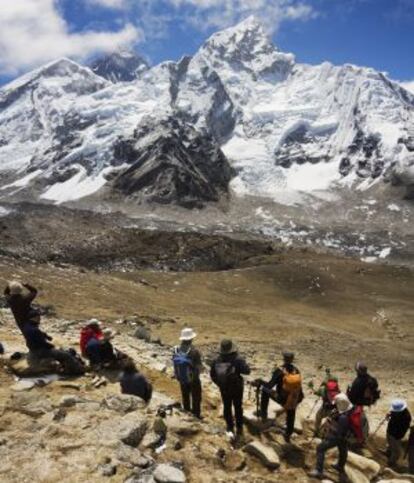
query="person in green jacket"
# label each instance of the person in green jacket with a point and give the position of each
(328, 390)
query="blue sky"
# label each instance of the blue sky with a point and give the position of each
(377, 33)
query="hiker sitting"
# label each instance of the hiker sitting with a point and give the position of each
(364, 389)
(40, 347)
(19, 297)
(226, 372)
(133, 382)
(327, 391)
(289, 394)
(91, 331)
(399, 420)
(337, 437)
(187, 367)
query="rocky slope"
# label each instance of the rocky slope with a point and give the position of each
(291, 131)
(84, 429)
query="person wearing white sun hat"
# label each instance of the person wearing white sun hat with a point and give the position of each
(399, 420)
(336, 438)
(187, 367)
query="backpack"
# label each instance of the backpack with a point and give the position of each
(292, 388)
(371, 392)
(225, 372)
(183, 366)
(358, 423)
(332, 390)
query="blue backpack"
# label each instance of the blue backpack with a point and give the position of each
(183, 366)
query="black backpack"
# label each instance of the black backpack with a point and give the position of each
(225, 372)
(372, 392)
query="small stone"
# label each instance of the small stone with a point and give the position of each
(70, 401)
(266, 454)
(108, 470)
(142, 333)
(23, 386)
(168, 474)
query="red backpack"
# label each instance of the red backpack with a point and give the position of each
(358, 424)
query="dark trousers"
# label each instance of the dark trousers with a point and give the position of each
(411, 459)
(191, 395)
(290, 413)
(330, 443)
(233, 397)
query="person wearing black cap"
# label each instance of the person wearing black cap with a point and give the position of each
(364, 389)
(289, 394)
(226, 372)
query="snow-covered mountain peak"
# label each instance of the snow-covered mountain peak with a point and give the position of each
(247, 47)
(122, 66)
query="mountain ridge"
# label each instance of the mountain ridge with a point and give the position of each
(286, 128)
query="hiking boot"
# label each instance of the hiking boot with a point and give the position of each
(230, 435)
(337, 468)
(316, 474)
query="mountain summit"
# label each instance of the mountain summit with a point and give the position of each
(123, 66)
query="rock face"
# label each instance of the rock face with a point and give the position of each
(286, 128)
(121, 66)
(173, 163)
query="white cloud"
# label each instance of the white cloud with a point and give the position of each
(207, 14)
(33, 32)
(116, 4)
(409, 85)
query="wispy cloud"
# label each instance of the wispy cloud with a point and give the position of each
(34, 32)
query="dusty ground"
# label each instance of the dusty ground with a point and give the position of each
(330, 310)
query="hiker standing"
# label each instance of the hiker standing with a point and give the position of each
(133, 382)
(187, 368)
(19, 298)
(364, 389)
(336, 437)
(410, 451)
(226, 372)
(288, 382)
(328, 390)
(399, 420)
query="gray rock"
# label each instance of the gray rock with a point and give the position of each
(142, 333)
(168, 474)
(108, 470)
(23, 386)
(266, 454)
(150, 441)
(123, 403)
(129, 429)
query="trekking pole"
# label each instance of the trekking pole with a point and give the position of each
(258, 390)
(379, 426)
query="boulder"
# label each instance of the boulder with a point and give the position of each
(151, 440)
(234, 461)
(368, 467)
(266, 454)
(129, 429)
(254, 423)
(168, 474)
(142, 333)
(356, 476)
(132, 457)
(182, 427)
(123, 403)
(30, 404)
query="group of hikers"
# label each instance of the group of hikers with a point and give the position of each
(345, 421)
(340, 420)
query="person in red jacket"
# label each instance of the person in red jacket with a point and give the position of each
(91, 331)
